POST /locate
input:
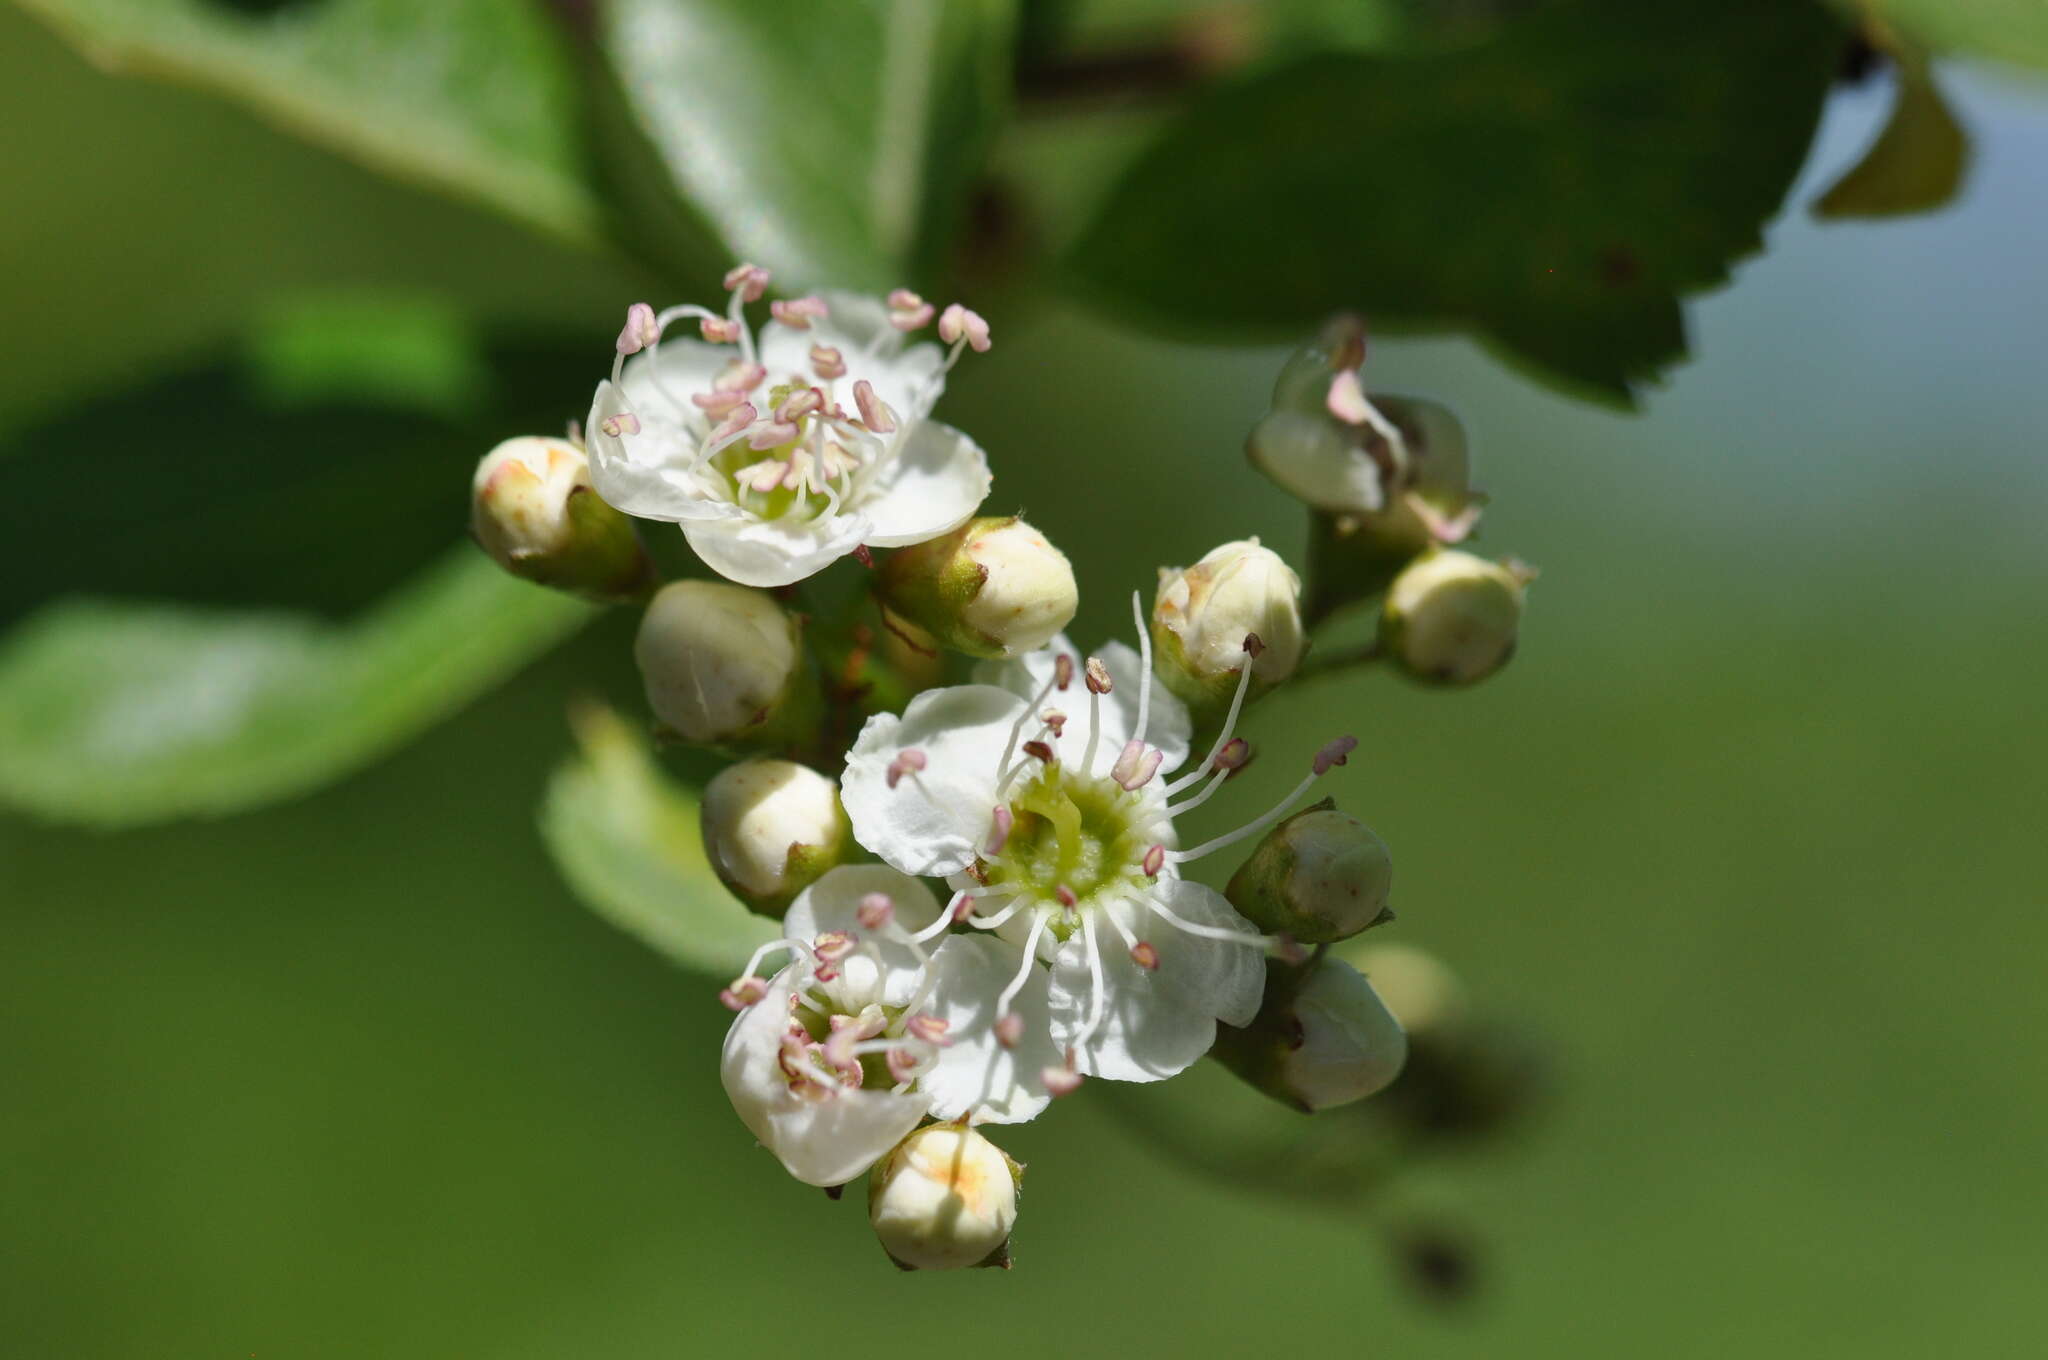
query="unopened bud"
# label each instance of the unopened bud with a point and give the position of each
(725, 665)
(1451, 618)
(771, 827)
(944, 1199)
(533, 510)
(1322, 1039)
(1320, 876)
(1240, 605)
(994, 587)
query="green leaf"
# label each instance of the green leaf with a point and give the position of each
(121, 714)
(2006, 30)
(625, 837)
(1556, 188)
(475, 97)
(1917, 162)
(836, 148)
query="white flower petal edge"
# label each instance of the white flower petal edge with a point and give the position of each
(938, 480)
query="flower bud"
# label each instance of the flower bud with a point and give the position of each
(725, 665)
(945, 1199)
(1321, 875)
(533, 510)
(1322, 1038)
(991, 588)
(771, 827)
(1451, 618)
(1203, 614)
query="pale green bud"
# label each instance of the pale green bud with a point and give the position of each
(1205, 617)
(1451, 618)
(1322, 1039)
(771, 828)
(944, 1199)
(533, 510)
(994, 587)
(1321, 875)
(725, 665)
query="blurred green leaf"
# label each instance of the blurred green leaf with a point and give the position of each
(319, 474)
(1556, 188)
(471, 96)
(837, 148)
(625, 837)
(2007, 30)
(124, 713)
(406, 352)
(1917, 162)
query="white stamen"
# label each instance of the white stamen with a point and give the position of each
(1144, 668)
(1023, 973)
(1251, 828)
(1244, 681)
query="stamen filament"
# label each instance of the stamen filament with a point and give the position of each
(1251, 828)
(1009, 993)
(1144, 668)
(1244, 682)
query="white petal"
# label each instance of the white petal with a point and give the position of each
(938, 479)
(827, 1142)
(977, 1076)
(905, 376)
(670, 376)
(1157, 1022)
(648, 473)
(1167, 727)
(774, 552)
(935, 821)
(1149, 1029)
(1228, 979)
(886, 969)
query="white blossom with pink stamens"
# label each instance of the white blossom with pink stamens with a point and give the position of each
(1051, 814)
(770, 484)
(866, 1030)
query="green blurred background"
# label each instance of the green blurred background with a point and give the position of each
(1748, 835)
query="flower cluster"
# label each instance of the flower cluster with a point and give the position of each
(979, 868)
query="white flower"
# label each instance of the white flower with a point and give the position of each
(863, 1033)
(1040, 797)
(757, 455)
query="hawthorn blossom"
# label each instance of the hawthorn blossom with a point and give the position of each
(780, 456)
(863, 1033)
(1041, 795)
